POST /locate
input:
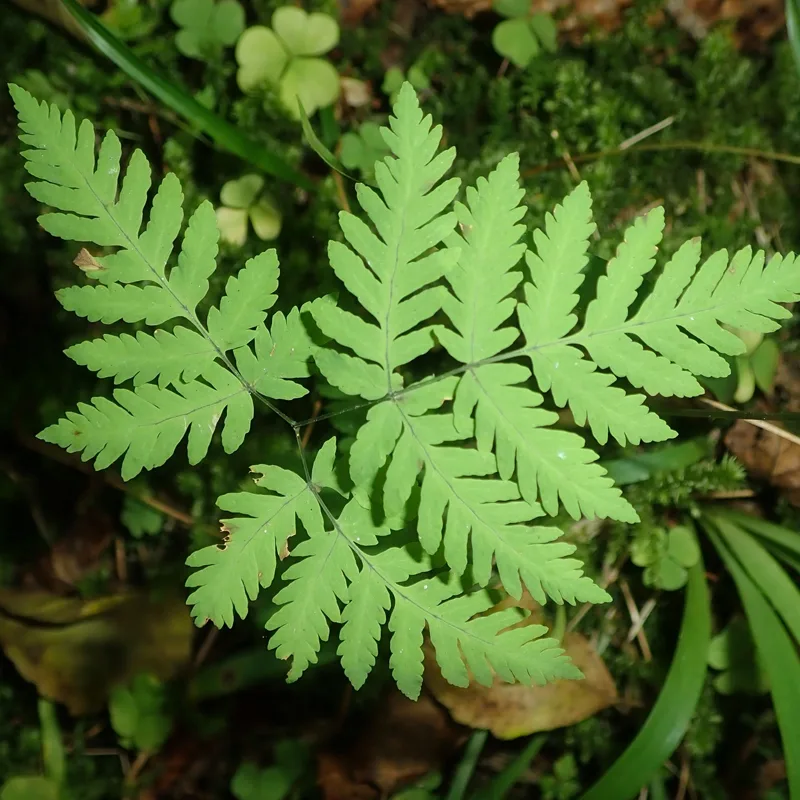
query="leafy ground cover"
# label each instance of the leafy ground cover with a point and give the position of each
(647, 115)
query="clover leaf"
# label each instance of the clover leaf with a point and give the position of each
(141, 520)
(139, 713)
(130, 19)
(666, 557)
(522, 36)
(360, 150)
(206, 26)
(286, 57)
(734, 654)
(755, 368)
(243, 200)
(273, 783)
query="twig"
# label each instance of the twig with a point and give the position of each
(610, 575)
(644, 613)
(758, 423)
(340, 191)
(120, 559)
(573, 170)
(205, 648)
(111, 478)
(138, 765)
(683, 781)
(638, 137)
(636, 619)
(310, 427)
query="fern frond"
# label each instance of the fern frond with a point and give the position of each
(168, 357)
(468, 461)
(548, 317)
(94, 205)
(459, 503)
(390, 271)
(681, 320)
(550, 464)
(480, 520)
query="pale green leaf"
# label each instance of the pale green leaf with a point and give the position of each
(230, 575)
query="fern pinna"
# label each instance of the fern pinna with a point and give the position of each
(451, 478)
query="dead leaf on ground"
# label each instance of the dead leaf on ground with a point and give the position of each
(767, 456)
(403, 741)
(76, 650)
(81, 551)
(513, 710)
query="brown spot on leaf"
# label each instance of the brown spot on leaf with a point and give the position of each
(87, 262)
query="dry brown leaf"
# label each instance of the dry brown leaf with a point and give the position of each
(403, 741)
(513, 710)
(76, 651)
(767, 456)
(87, 262)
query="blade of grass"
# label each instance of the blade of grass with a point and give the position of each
(765, 572)
(776, 534)
(777, 652)
(790, 559)
(465, 768)
(506, 780)
(669, 719)
(183, 104)
(316, 144)
(54, 756)
(793, 29)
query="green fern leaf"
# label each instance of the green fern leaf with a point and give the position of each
(461, 505)
(451, 475)
(390, 273)
(550, 464)
(230, 575)
(548, 317)
(146, 424)
(169, 357)
(680, 320)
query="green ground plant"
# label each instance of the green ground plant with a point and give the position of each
(407, 529)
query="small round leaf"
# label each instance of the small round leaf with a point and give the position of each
(670, 575)
(191, 13)
(305, 34)
(683, 547)
(544, 26)
(266, 219)
(513, 39)
(512, 8)
(232, 224)
(228, 21)
(312, 81)
(261, 58)
(241, 193)
(352, 150)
